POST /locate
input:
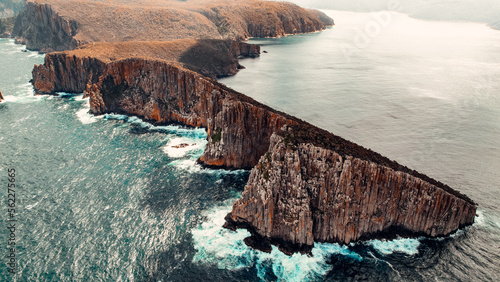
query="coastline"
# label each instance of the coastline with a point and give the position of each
(114, 77)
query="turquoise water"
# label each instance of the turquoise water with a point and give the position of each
(109, 199)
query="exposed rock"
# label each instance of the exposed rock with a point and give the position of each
(306, 184)
(20, 40)
(180, 146)
(164, 93)
(67, 24)
(72, 71)
(61, 73)
(217, 58)
(42, 28)
(301, 194)
(1, 97)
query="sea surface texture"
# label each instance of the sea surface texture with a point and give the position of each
(110, 198)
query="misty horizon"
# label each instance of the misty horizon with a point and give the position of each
(481, 11)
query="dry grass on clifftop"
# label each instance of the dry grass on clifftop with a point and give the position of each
(163, 20)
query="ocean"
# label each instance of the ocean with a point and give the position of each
(109, 199)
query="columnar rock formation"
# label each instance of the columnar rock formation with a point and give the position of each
(48, 25)
(302, 192)
(41, 28)
(71, 72)
(306, 184)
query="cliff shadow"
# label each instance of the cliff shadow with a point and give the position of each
(217, 58)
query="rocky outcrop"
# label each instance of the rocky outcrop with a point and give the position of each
(162, 92)
(46, 25)
(300, 193)
(1, 97)
(61, 73)
(165, 93)
(43, 29)
(306, 185)
(71, 72)
(243, 19)
(217, 58)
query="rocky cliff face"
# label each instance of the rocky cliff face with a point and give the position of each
(217, 58)
(300, 193)
(165, 93)
(42, 29)
(71, 72)
(243, 19)
(238, 127)
(61, 73)
(306, 184)
(46, 25)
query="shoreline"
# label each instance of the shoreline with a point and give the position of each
(245, 134)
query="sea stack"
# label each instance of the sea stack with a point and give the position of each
(306, 184)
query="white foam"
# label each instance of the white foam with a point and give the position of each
(227, 250)
(489, 221)
(179, 147)
(84, 116)
(29, 207)
(198, 133)
(403, 245)
(115, 117)
(187, 165)
(23, 94)
(196, 138)
(35, 54)
(479, 219)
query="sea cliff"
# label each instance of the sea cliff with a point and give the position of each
(71, 72)
(306, 185)
(40, 28)
(301, 193)
(163, 92)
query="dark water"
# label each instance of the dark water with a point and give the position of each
(109, 199)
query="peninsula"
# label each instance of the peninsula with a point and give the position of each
(306, 185)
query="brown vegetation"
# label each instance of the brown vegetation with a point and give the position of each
(159, 20)
(210, 57)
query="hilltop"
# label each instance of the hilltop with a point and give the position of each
(62, 25)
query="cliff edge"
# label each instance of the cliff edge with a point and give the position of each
(304, 191)
(57, 25)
